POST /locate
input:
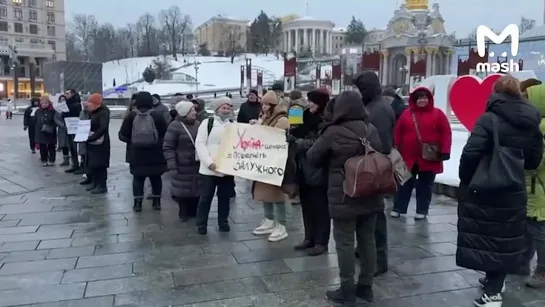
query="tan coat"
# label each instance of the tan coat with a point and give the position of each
(265, 192)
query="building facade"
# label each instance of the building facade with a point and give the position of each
(32, 32)
(219, 32)
(308, 34)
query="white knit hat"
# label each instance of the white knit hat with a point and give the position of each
(183, 108)
(221, 101)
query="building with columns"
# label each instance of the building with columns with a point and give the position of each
(413, 46)
(308, 34)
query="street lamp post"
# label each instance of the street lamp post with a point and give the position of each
(196, 67)
(14, 66)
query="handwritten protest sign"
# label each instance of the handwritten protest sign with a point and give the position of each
(253, 152)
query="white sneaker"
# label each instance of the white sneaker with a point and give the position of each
(266, 227)
(395, 214)
(279, 233)
(489, 301)
(420, 217)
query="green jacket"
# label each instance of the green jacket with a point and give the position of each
(535, 180)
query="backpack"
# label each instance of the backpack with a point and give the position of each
(369, 174)
(144, 133)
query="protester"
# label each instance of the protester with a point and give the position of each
(275, 114)
(160, 108)
(383, 118)
(9, 110)
(73, 102)
(352, 217)
(397, 103)
(278, 89)
(46, 131)
(207, 144)
(97, 158)
(62, 143)
(179, 149)
(29, 122)
(82, 151)
(173, 102)
(312, 181)
(419, 126)
(250, 109)
(201, 112)
(296, 99)
(491, 220)
(144, 130)
(535, 221)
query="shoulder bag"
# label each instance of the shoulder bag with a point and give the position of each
(430, 151)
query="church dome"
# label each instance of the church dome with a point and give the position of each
(417, 5)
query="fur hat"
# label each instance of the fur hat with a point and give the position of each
(183, 108)
(319, 96)
(221, 101)
(528, 83)
(270, 98)
(278, 86)
(296, 94)
(95, 99)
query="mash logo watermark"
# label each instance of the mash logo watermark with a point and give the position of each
(510, 65)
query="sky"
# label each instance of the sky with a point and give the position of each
(461, 16)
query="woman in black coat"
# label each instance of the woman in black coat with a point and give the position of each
(97, 157)
(491, 224)
(145, 161)
(29, 122)
(179, 149)
(312, 181)
(45, 132)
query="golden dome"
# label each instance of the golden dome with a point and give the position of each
(417, 4)
(288, 18)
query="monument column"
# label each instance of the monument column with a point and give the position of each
(297, 49)
(409, 60)
(429, 56)
(305, 39)
(384, 69)
(314, 46)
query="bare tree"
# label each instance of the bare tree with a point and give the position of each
(230, 40)
(148, 35)
(105, 41)
(175, 24)
(83, 28)
(131, 36)
(73, 51)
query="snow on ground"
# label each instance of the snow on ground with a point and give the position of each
(215, 73)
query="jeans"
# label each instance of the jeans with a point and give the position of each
(315, 214)
(138, 186)
(99, 176)
(208, 189)
(494, 283)
(31, 136)
(381, 239)
(423, 182)
(47, 153)
(188, 206)
(275, 212)
(363, 227)
(535, 235)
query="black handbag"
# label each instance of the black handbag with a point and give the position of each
(503, 170)
(48, 129)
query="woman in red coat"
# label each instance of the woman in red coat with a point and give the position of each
(423, 137)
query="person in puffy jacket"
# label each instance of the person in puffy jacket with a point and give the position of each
(161, 109)
(312, 181)
(492, 223)
(29, 122)
(250, 109)
(421, 123)
(397, 103)
(535, 210)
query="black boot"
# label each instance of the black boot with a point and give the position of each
(65, 161)
(156, 203)
(182, 213)
(94, 183)
(345, 295)
(74, 168)
(86, 181)
(365, 292)
(100, 179)
(137, 207)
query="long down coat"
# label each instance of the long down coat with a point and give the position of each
(45, 117)
(98, 155)
(491, 225)
(179, 151)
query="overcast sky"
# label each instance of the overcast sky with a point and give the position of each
(461, 16)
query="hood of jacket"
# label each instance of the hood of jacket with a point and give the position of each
(536, 95)
(299, 102)
(279, 111)
(515, 110)
(413, 98)
(347, 107)
(369, 86)
(199, 103)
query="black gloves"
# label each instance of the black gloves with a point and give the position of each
(445, 157)
(290, 138)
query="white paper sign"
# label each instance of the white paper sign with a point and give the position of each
(71, 124)
(253, 152)
(62, 107)
(82, 130)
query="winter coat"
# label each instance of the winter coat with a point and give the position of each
(162, 110)
(338, 142)
(305, 135)
(201, 112)
(62, 131)
(145, 161)
(398, 105)
(180, 154)
(82, 147)
(266, 192)
(74, 110)
(207, 145)
(248, 111)
(535, 179)
(491, 225)
(29, 117)
(434, 127)
(98, 155)
(45, 117)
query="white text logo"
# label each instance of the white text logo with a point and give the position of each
(497, 65)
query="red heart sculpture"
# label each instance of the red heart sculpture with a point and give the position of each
(468, 98)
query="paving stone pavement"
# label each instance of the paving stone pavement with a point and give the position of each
(60, 246)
